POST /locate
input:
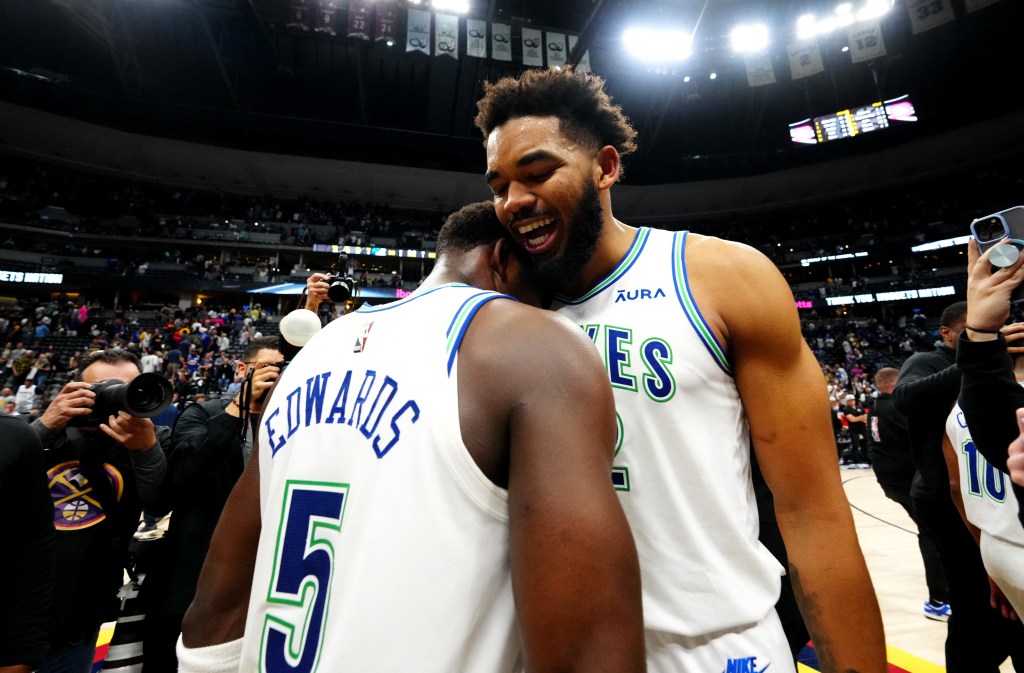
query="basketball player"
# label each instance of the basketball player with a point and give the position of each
(702, 344)
(982, 494)
(433, 482)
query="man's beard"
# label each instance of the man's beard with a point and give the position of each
(584, 232)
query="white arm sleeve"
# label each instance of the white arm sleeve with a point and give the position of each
(223, 658)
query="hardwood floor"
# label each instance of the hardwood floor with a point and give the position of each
(887, 537)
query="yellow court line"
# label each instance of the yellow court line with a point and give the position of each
(911, 663)
(897, 657)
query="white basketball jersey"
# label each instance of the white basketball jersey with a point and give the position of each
(990, 505)
(384, 548)
(682, 464)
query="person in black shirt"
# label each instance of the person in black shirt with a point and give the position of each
(894, 470)
(27, 564)
(100, 479)
(978, 639)
(209, 454)
(856, 420)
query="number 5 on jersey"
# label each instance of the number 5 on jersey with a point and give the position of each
(300, 587)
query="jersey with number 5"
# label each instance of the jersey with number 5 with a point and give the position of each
(384, 548)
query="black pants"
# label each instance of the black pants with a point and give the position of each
(978, 639)
(934, 576)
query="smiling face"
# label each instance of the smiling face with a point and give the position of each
(546, 195)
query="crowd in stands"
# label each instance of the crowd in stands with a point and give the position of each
(885, 224)
(196, 349)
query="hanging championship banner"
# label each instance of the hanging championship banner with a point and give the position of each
(554, 43)
(446, 35)
(532, 53)
(865, 40)
(417, 31)
(299, 14)
(928, 14)
(805, 59)
(325, 18)
(387, 18)
(759, 69)
(476, 38)
(584, 63)
(501, 41)
(359, 19)
(975, 5)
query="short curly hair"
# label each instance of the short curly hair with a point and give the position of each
(470, 226)
(585, 111)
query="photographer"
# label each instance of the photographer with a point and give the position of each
(208, 458)
(102, 473)
(326, 288)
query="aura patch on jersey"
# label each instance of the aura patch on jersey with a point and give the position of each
(74, 504)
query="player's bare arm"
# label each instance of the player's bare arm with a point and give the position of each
(218, 611)
(575, 573)
(750, 306)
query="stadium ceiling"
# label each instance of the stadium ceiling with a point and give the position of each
(253, 74)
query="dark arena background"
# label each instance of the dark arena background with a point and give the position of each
(171, 171)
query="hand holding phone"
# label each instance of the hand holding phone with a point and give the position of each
(992, 230)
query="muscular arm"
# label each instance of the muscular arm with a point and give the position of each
(575, 574)
(953, 467)
(785, 399)
(217, 614)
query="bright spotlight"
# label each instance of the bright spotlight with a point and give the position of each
(458, 6)
(658, 45)
(806, 27)
(686, 79)
(873, 9)
(844, 8)
(713, 75)
(749, 39)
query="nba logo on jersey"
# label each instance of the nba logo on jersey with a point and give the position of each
(360, 344)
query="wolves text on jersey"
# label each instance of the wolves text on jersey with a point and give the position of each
(653, 375)
(373, 401)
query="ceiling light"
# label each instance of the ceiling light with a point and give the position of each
(750, 38)
(459, 6)
(806, 27)
(658, 44)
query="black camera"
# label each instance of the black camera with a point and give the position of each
(340, 285)
(144, 396)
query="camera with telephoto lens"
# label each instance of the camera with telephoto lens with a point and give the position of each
(340, 285)
(144, 396)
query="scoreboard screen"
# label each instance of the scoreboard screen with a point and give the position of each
(852, 122)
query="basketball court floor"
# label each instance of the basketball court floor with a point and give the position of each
(887, 536)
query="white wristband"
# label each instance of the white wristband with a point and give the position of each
(223, 658)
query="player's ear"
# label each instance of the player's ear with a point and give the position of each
(607, 167)
(500, 255)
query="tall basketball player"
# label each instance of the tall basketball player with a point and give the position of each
(702, 344)
(431, 493)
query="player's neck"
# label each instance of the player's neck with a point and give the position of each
(616, 240)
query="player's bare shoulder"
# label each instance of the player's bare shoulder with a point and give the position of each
(521, 343)
(733, 283)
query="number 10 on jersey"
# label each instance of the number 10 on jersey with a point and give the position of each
(300, 588)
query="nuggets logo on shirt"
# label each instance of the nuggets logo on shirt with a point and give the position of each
(74, 505)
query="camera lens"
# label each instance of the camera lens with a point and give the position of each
(147, 395)
(990, 229)
(339, 291)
